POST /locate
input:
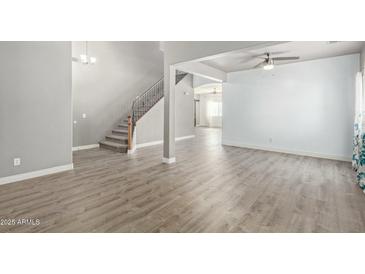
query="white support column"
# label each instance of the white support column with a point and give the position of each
(169, 115)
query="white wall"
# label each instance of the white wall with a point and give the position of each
(362, 67)
(362, 59)
(304, 108)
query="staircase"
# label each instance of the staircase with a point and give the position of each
(118, 139)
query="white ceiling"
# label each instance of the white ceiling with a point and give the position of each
(243, 60)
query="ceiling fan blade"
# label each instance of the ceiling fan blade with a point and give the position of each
(245, 59)
(259, 65)
(285, 58)
(264, 55)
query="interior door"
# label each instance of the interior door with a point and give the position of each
(196, 112)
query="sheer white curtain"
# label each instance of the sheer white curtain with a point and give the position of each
(358, 156)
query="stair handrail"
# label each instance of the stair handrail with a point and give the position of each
(144, 93)
(144, 102)
(139, 99)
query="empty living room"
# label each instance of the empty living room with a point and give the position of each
(140, 139)
(100, 142)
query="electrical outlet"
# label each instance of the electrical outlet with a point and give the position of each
(17, 161)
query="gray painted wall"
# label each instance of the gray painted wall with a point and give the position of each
(150, 126)
(305, 107)
(35, 105)
(105, 91)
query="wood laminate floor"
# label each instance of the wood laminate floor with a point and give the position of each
(211, 188)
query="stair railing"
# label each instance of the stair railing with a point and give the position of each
(141, 105)
(144, 102)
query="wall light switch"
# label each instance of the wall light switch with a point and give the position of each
(17, 162)
(84, 115)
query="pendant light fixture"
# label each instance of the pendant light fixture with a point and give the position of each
(85, 58)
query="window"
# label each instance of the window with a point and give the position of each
(214, 109)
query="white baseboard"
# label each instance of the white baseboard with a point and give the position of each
(184, 137)
(161, 141)
(131, 151)
(85, 147)
(287, 151)
(168, 160)
(149, 144)
(33, 174)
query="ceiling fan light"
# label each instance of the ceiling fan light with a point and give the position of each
(84, 59)
(92, 60)
(268, 66)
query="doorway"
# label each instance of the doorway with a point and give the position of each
(208, 106)
(196, 112)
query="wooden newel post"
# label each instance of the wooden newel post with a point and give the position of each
(129, 132)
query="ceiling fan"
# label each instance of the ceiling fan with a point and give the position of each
(269, 61)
